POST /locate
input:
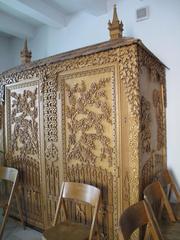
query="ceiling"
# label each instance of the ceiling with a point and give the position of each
(21, 18)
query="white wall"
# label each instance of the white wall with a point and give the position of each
(5, 53)
(160, 33)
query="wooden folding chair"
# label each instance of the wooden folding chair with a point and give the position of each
(8, 174)
(135, 217)
(156, 199)
(169, 186)
(68, 230)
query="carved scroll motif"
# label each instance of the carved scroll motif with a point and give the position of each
(157, 102)
(145, 125)
(24, 120)
(50, 109)
(86, 112)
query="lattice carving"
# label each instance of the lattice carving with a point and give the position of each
(24, 121)
(145, 125)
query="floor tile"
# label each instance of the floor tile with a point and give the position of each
(15, 231)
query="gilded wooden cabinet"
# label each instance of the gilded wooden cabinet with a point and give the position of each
(93, 115)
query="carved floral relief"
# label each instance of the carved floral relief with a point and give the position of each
(22, 105)
(157, 102)
(86, 112)
(24, 122)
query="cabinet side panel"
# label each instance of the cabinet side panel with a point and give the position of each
(153, 119)
(130, 108)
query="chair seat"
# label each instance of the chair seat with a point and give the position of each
(170, 231)
(67, 231)
(176, 210)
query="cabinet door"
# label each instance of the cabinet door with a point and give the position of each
(88, 117)
(23, 109)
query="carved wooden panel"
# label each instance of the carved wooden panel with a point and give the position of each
(23, 145)
(153, 125)
(88, 124)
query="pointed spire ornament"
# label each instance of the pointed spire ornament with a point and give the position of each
(25, 54)
(115, 27)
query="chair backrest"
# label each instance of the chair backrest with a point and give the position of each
(82, 193)
(156, 198)
(167, 182)
(9, 174)
(136, 216)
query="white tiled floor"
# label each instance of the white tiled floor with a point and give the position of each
(15, 231)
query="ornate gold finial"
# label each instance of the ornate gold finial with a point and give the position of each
(25, 54)
(115, 27)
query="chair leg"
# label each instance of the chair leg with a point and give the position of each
(19, 208)
(5, 218)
